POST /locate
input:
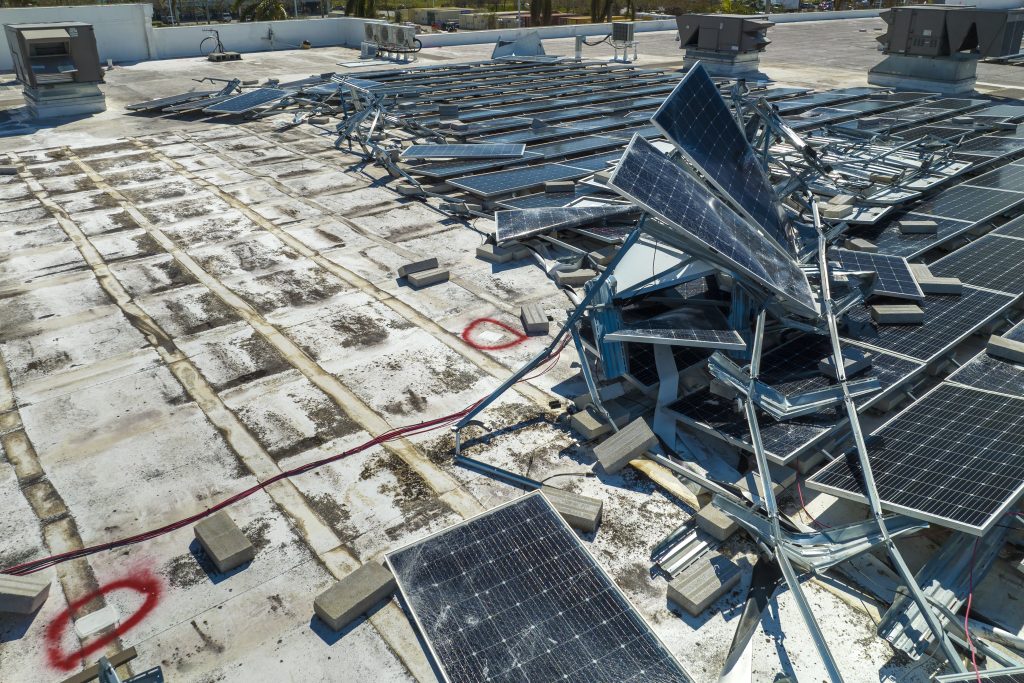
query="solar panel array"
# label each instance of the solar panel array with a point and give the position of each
(947, 321)
(171, 100)
(892, 274)
(472, 151)
(522, 223)
(710, 339)
(953, 457)
(1010, 675)
(993, 261)
(698, 121)
(247, 101)
(654, 182)
(991, 374)
(512, 595)
(514, 180)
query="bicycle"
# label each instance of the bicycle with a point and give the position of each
(211, 44)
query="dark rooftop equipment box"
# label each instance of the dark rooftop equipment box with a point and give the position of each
(54, 53)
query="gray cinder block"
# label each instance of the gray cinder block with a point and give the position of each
(834, 211)
(931, 284)
(588, 425)
(535, 321)
(603, 256)
(897, 314)
(581, 512)
(354, 595)
(859, 244)
(224, 542)
(703, 582)
(425, 278)
(574, 278)
(715, 522)
(559, 186)
(843, 200)
(1004, 348)
(909, 227)
(23, 594)
(854, 361)
(628, 443)
(417, 267)
(494, 254)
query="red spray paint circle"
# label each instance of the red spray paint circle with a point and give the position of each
(518, 337)
(146, 584)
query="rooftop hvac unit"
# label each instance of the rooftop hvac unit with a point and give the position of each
(369, 34)
(938, 31)
(727, 33)
(622, 31)
(405, 37)
(54, 53)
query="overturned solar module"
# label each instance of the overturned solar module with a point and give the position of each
(512, 595)
(698, 121)
(661, 187)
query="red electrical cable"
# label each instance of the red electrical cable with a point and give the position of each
(419, 428)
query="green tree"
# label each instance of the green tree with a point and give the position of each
(361, 8)
(259, 10)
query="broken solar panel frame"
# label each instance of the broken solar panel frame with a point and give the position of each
(697, 120)
(1008, 675)
(519, 224)
(467, 151)
(247, 101)
(515, 587)
(893, 276)
(953, 435)
(728, 340)
(654, 182)
(171, 100)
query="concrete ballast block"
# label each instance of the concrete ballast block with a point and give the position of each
(23, 594)
(908, 227)
(854, 361)
(715, 522)
(580, 512)
(559, 186)
(574, 278)
(354, 595)
(859, 244)
(1004, 348)
(535, 320)
(417, 267)
(931, 284)
(588, 425)
(628, 443)
(495, 254)
(897, 314)
(224, 542)
(706, 579)
(425, 278)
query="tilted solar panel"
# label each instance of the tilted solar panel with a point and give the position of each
(656, 183)
(522, 223)
(994, 262)
(1011, 675)
(955, 457)
(512, 595)
(698, 121)
(707, 339)
(462, 151)
(892, 274)
(239, 104)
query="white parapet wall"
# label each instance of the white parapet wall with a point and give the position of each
(125, 33)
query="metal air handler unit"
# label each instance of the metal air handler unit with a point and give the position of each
(58, 66)
(937, 48)
(726, 44)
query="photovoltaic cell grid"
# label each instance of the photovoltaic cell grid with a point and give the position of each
(522, 223)
(892, 274)
(171, 100)
(1009, 177)
(462, 151)
(505, 182)
(991, 374)
(1016, 333)
(993, 261)
(955, 457)
(1011, 675)
(710, 339)
(512, 595)
(890, 240)
(239, 104)
(947, 321)
(1014, 228)
(698, 121)
(662, 188)
(972, 204)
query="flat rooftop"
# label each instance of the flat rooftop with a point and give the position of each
(188, 308)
